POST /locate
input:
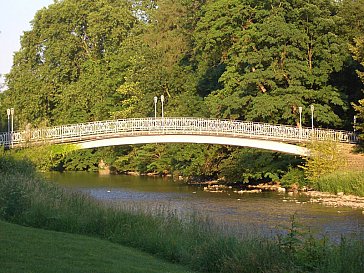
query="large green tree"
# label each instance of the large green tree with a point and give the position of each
(276, 56)
(70, 62)
(159, 60)
(158, 64)
(352, 14)
(358, 52)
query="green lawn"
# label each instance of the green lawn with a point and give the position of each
(24, 249)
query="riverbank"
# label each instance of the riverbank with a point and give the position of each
(325, 198)
(335, 200)
(338, 189)
(193, 241)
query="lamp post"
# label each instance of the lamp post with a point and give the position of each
(312, 109)
(8, 113)
(162, 100)
(155, 107)
(12, 126)
(300, 111)
(12, 120)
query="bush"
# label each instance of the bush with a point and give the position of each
(292, 177)
(9, 165)
(325, 158)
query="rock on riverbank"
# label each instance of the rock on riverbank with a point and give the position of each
(335, 200)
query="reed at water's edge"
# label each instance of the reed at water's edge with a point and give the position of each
(27, 199)
(347, 182)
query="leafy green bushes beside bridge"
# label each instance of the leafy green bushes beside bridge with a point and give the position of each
(192, 161)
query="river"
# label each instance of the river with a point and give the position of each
(267, 212)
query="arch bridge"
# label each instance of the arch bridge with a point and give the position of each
(282, 138)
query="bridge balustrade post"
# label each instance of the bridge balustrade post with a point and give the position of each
(79, 128)
(239, 127)
(175, 123)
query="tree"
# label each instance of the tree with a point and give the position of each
(70, 62)
(159, 62)
(277, 56)
(358, 53)
(352, 27)
(352, 11)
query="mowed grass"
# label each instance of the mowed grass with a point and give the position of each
(24, 249)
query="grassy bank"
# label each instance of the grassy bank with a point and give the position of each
(26, 199)
(24, 249)
(349, 182)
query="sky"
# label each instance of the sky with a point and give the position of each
(15, 17)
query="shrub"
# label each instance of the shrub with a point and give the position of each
(292, 177)
(325, 158)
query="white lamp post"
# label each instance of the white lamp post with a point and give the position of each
(312, 109)
(12, 119)
(155, 107)
(300, 111)
(12, 126)
(8, 113)
(162, 100)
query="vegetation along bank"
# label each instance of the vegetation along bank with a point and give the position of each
(192, 241)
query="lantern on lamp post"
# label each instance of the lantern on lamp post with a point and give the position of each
(300, 111)
(10, 113)
(155, 107)
(162, 100)
(312, 109)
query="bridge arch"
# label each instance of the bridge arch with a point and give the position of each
(200, 139)
(283, 138)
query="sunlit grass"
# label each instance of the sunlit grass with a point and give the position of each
(346, 182)
(24, 249)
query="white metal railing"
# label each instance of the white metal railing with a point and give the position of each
(74, 133)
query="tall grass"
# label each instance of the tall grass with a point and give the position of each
(27, 199)
(347, 182)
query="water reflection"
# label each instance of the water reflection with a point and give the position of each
(266, 212)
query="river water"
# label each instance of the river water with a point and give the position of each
(267, 213)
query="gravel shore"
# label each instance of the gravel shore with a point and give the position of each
(336, 200)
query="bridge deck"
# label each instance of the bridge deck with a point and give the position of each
(75, 133)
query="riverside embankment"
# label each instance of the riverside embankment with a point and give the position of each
(192, 240)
